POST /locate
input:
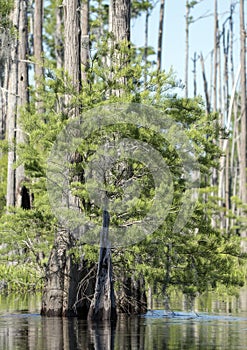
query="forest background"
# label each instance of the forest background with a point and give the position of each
(42, 87)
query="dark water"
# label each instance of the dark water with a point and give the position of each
(222, 326)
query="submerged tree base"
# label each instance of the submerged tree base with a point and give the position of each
(62, 291)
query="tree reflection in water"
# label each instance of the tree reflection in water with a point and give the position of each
(30, 332)
(22, 329)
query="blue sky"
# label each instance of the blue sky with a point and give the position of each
(201, 35)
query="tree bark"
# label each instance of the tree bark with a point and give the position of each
(119, 20)
(17, 97)
(243, 192)
(72, 42)
(69, 284)
(84, 38)
(119, 27)
(66, 291)
(194, 74)
(146, 45)
(12, 89)
(59, 47)
(38, 52)
(186, 67)
(131, 299)
(208, 107)
(160, 35)
(103, 305)
(22, 194)
(38, 40)
(216, 43)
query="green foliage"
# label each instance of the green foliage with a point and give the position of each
(140, 6)
(197, 259)
(5, 9)
(20, 278)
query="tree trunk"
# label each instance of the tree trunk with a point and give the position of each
(186, 67)
(38, 40)
(38, 52)
(208, 107)
(17, 97)
(131, 299)
(69, 284)
(146, 45)
(59, 47)
(119, 20)
(194, 74)
(119, 26)
(66, 293)
(22, 194)
(103, 305)
(72, 50)
(12, 89)
(243, 191)
(160, 35)
(216, 39)
(84, 38)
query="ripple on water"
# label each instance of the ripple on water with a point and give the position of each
(177, 315)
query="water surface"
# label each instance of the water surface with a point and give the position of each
(224, 327)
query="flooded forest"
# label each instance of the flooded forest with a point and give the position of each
(123, 194)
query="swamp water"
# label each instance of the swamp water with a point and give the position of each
(218, 324)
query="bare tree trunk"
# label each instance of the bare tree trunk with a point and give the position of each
(17, 97)
(146, 44)
(194, 73)
(208, 107)
(216, 43)
(38, 52)
(231, 43)
(12, 89)
(38, 41)
(160, 35)
(103, 306)
(186, 67)
(243, 192)
(59, 47)
(22, 193)
(84, 38)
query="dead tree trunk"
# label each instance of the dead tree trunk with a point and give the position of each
(243, 192)
(208, 107)
(84, 38)
(132, 299)
(59, 49)
(186, 67)
(17, 97)
(103, 306)
(38, 52)
(216, 43)
(12, 89)
(22, 195)
(147, 15)
(160, 35)
(195, 73)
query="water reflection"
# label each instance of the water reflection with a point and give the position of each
(23, 329)
(32, 332)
